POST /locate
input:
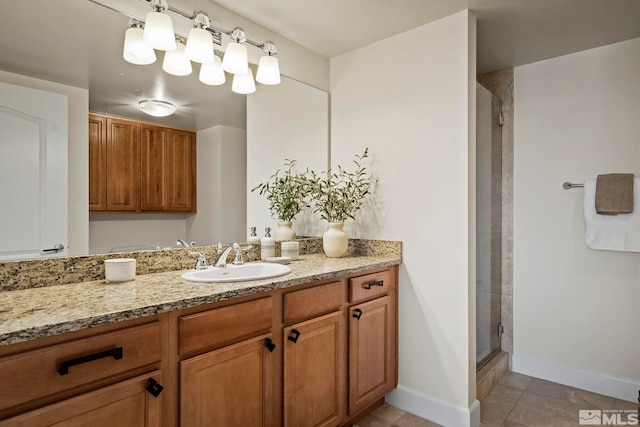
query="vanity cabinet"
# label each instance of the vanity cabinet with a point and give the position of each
(315, 354)
(137, 167)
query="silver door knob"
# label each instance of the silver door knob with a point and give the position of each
(58, 247)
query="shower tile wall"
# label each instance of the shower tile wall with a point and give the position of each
(500, 83)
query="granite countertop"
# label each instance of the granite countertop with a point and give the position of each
(39, 312)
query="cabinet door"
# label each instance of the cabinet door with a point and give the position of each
(126, 403)
(97, 163)
(314, 372)
(180, 171)
(370, 357)
(123, 165)
(153, 151)
(228, 387)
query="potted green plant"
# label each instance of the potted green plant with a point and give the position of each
(286, 194)
(338, 197)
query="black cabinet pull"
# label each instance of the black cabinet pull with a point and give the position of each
(269, 344)
(153, 387)
(116, 353)
(295, 335)
(378, 283)
(357, 313)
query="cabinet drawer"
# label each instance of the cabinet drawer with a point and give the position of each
(38, 373)
(311, 302)
(369, 286)
(223, 325)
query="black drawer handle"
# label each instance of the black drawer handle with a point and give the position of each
(269, 344)
(378, 283)
(295, 335)
(153, 387)
(357, 313)
(116, 353)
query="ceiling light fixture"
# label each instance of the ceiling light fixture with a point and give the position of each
(158, 28)
(200, 41)
(175, 61)
(156, 107)
(235, 59)
(268, 67)
(135, 50)
(212, 74)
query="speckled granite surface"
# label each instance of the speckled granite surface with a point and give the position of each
(15, 275)
(27, 314)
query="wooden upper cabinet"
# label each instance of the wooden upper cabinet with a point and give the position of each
(180, 171)
(97, 163)
(153, 150)
(140, 167)
(123, 165)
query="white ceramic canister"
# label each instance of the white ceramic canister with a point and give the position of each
(119, 269)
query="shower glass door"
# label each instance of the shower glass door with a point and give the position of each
(488, 224)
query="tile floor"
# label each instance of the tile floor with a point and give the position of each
(516, 401)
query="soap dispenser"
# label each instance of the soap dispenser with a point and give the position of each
(267, 245)
(253, 237)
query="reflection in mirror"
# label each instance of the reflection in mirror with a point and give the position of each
(93, 74)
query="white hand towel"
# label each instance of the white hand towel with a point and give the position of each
(611, 232)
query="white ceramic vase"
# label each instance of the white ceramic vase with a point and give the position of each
(335, 240)
(284, 231)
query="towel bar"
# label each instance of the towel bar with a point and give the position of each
(569, 185)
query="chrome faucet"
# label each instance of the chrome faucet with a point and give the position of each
(183, 243)
(222, 259)
(201, 263)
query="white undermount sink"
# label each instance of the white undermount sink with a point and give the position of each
(237, 273)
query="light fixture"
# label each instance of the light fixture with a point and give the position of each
(175, 62)
(200, 41)
(268, 68)
(157, 108)
(212, 74)
(235, 57)
(158, 28)
(135, 50)
(243, 83)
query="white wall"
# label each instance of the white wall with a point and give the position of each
(288, 121)
(222, 183)
(78, 131)
(575, 309)
(411, 99)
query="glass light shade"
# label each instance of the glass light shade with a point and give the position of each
(157, 108)
(175, 62)
(212, 74)
(268, 71)
(199, 46)
(243, 83)
(158, 31)
(235, 59)
(135, 50)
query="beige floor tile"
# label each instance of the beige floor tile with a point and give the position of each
(623, 404)
(389, 413)
(497, 406)
(372, 421)
(569, 397)
(534, 410)
(410, 420)
(519, 381)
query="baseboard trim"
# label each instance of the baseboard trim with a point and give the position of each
(434, 409)
(619, 388)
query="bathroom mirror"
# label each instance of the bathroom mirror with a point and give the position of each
(79, 44)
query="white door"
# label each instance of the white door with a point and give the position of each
(33, 173)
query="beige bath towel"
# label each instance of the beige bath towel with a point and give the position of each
(614, 194)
